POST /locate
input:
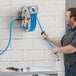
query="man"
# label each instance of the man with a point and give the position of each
(67, 45)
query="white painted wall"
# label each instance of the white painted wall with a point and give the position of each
(29, 49)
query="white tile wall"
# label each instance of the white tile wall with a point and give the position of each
(4, 2)
(46, 64)
(33, 55)
(3, 44)
(12, 55)
(21, 44)
(4, 33)
(29, 49)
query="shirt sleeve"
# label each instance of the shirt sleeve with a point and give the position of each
(62, 40)
(74, 41)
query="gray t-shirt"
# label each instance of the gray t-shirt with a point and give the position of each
(69, 39)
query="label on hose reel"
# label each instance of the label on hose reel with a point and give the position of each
(29, 18)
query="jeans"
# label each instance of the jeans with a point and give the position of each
(70, 70)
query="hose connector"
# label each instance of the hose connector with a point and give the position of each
(19, 19)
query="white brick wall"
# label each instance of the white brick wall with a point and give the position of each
(3, 2)
(29, 49)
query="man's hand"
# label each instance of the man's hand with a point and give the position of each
(44, 35)
(56, 50)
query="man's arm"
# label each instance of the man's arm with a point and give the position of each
(52, 40)
(65, 49)
(55, 41)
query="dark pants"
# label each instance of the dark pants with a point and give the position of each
(70, 70)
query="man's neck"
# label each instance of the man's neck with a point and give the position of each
(73, 25)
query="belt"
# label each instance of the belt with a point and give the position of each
(69, 64)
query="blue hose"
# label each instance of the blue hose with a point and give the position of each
(42, 29)
(3, 51)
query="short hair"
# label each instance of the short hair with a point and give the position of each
(73, 12)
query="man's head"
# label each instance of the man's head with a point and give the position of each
(71, 16)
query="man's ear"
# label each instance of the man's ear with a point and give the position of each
(72, 19)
